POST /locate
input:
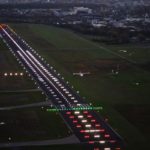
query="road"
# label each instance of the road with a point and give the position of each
(87, 125)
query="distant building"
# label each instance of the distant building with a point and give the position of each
(96, 23)
(76, 10)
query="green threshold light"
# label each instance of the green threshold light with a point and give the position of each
(74, 108)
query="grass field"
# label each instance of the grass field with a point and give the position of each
(31, 124)
(9, 64)
(139, 53)
(16, 83)
(20, 98)
(120, 94)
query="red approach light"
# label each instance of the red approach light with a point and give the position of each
(71, 117)
(112, 141)
(102, 130)
(86, 136)
(106, 135)
(96, 148)
(75, 121)
(118, 148)
(91, 142)
(85, 112)
(82, 131)
(89, 116)
(68, 112)
(97, 125)
(78, 126)
(93, 120)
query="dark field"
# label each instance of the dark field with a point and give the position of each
(20, 98)
(138, 115)
(31, 124)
